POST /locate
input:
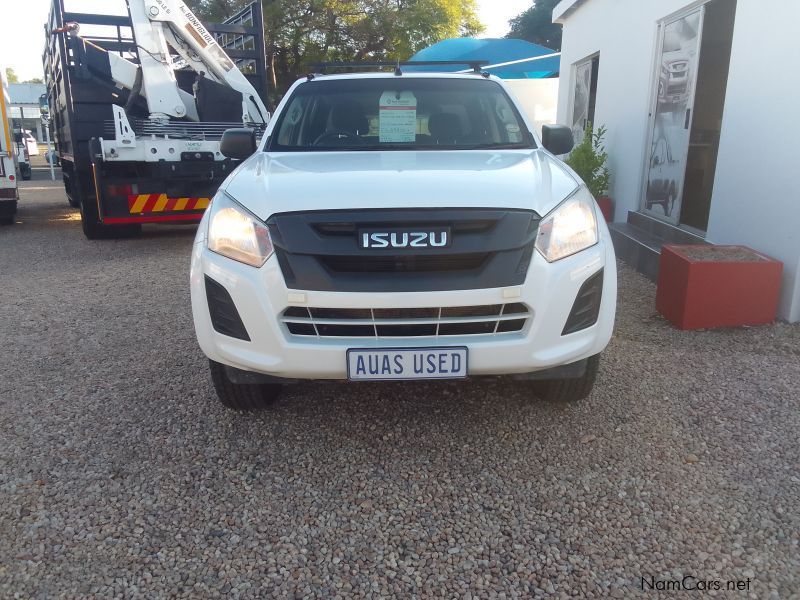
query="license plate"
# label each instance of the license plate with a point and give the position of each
(406, 363)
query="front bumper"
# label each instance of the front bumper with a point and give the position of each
(261, 296)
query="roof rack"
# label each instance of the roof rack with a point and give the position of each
(475, 65)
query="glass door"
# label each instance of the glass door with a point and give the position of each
(671, 115)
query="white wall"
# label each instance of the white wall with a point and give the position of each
(624, 34)
(756, 198)
(538, 97)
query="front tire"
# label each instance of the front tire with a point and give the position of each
(569, 390)
(73, 198)
(242, 396)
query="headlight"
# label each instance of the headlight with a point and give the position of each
(236, 233)
(569, 228)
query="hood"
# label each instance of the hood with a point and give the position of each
(289, 182)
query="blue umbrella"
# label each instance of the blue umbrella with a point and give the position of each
(497, 52)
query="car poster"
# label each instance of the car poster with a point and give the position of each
(677, 72)
(580, 105)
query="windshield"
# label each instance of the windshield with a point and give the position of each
(399, 113)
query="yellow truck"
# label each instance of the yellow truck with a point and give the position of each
(8, 153)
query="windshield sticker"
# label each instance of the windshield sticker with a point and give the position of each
(397, 117)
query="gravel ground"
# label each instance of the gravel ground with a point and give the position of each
(121, 475)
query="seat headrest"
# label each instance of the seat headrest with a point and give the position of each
(349, 117)
(445, 127)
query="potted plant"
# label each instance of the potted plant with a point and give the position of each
(705, 286)
(588, 160)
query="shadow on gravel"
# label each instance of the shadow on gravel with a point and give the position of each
(419, 417)
(150, 232)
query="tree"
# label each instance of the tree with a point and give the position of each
(11, 76)
(216, 11)
(34, 80)
(301, 33)
(536, 25)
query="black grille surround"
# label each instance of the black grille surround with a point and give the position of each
(319, 250)
(224, 317)
(586, 308)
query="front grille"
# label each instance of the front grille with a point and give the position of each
(319, 250)
(439, 322)
(181, 130)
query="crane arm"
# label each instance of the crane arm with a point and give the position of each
(159, 25)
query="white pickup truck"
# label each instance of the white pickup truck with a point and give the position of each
(396, 226)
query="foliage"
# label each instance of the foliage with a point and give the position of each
(300, 33)
(11, 76)
(536, 25)
(34, 80)
(588, 160)
(216, 11)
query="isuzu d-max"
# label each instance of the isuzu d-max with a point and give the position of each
(396, 226)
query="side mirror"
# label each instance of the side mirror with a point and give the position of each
(44, 109)
(557, 138)
(238, 143)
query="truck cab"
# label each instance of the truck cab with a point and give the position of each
(8, 155)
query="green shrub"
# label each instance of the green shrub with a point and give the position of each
(588, 160)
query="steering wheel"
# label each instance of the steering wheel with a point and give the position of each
(336, 134)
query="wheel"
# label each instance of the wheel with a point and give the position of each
(242, 396)
(93, 229)
(72, 197)
(568, 390)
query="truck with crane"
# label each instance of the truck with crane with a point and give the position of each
(139, 102)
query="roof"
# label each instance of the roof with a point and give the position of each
(498, 52)
(25, 93)
(564, 8)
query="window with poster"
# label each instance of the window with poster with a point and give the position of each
(584, 95)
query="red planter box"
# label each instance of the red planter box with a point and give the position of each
(701, 287)
(606, 207)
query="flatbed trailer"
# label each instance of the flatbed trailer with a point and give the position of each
(139, 103)
(8, 172)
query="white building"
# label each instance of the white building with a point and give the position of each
(699, 100)
(24, 99)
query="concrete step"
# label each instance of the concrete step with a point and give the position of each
(637, 247)
(670, 234)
